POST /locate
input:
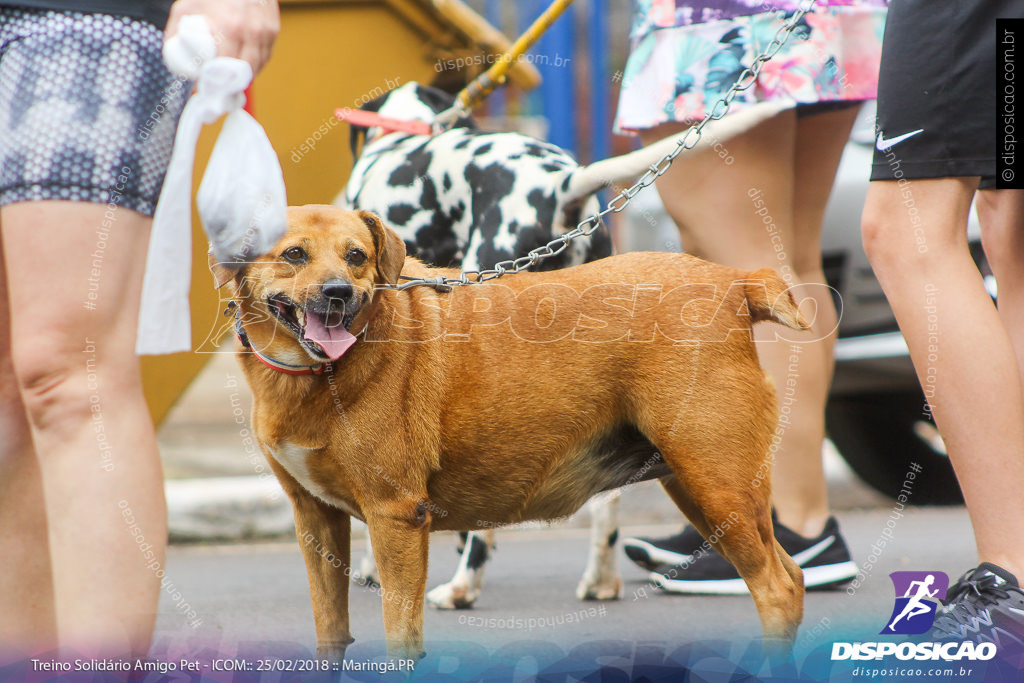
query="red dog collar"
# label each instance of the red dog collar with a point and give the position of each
(372, 119)
(286, 368)
(276, 364)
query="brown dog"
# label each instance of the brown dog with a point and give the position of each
(499, 403)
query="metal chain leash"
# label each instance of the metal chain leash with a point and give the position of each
(620, 202)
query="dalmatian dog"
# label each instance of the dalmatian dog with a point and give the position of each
(471, 198)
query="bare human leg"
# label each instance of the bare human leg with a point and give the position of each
(28, 623)
(799, 491)
(959, 344)
(1001, 213)
(78, 379)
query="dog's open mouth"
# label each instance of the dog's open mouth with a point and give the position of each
(321, 329)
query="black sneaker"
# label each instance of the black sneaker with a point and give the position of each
(825, 561)
(651, 553)
(986, 606)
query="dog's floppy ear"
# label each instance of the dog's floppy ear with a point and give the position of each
(221, 273)
(390, 247)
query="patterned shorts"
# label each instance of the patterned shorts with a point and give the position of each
(88, 110)
(676, 74)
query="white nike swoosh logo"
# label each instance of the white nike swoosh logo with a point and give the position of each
(813, 551)
(882, 144)
(1018, 611)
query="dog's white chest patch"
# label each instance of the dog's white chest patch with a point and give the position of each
(295, 459)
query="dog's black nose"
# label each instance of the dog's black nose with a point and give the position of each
(338, 289)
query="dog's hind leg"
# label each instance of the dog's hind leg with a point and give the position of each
(722, 484)
(792, 568)
(682, 499)
(735, 518)
(685, 504)
(601, 579)
(464, 588)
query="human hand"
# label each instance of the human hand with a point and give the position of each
(244, 29)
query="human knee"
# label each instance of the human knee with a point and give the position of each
(51, 390)
(8, 381)
(12, 411)
(62, 387)
(804, 264)
(1002, 257)
(880, 241)
(1000, 235)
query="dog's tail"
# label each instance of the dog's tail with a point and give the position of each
(587, 180)
(769, 298)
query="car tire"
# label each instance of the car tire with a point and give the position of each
(881, 435)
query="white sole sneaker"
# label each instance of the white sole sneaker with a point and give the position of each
(814, 577)
(648, 555)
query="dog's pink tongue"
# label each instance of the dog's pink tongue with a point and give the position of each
(335, 341)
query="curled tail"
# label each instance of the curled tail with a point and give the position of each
(589, 179)
(769, 298)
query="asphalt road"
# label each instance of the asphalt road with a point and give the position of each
(253, 600)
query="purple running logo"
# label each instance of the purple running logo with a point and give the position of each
(917, 597)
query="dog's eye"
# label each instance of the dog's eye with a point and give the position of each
(294, 255)
(356, 257)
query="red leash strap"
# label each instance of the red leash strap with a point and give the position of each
(372, 119)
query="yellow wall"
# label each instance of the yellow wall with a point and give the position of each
(166, 377)
(329, 54)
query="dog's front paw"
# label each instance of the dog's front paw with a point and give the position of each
(451, 596)
(404, 660)
(333, 651)
(599, 588)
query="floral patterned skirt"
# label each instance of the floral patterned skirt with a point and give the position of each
(676, 74)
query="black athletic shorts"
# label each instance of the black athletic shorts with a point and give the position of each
(937, 89)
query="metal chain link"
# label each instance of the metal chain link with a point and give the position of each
(622, 200)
